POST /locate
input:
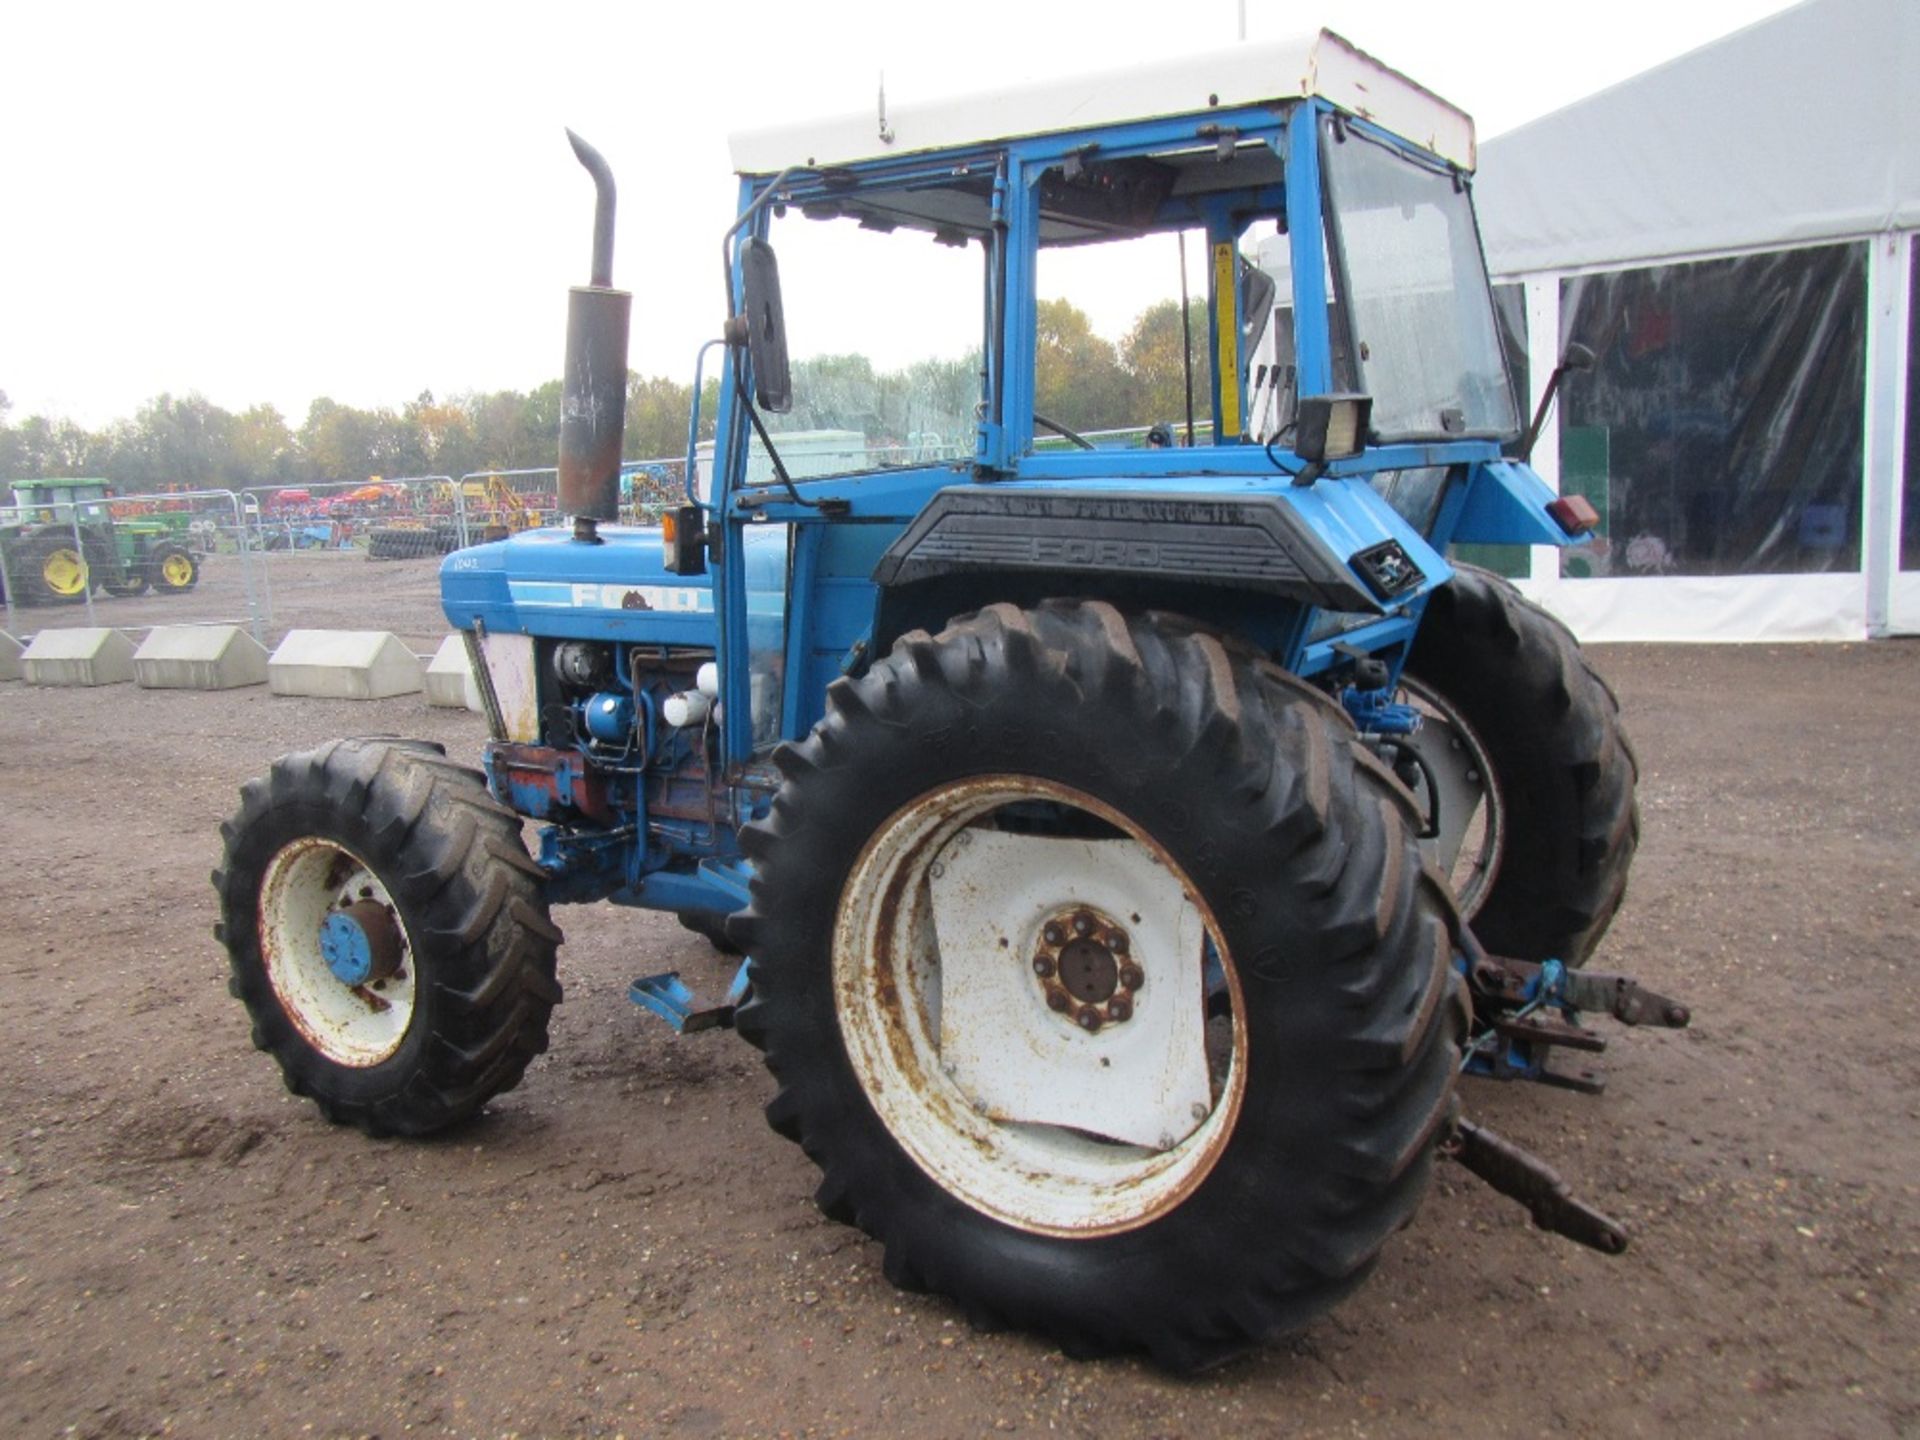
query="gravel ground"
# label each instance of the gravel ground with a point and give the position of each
(621, 1246)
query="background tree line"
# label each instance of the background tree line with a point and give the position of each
(1082, 380)
(187, 441)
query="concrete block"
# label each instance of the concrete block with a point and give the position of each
(10, 649)
(80, 656)
(450, 679)
(343, 665)
(199, 657)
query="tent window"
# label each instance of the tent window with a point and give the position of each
(1720, 432)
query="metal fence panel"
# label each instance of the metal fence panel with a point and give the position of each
(355, 555)
(348, 555)
(70, 554)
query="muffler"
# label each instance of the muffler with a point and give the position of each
(593, 400)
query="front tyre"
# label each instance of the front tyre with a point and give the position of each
(172, 569)
(388, 934)
(1101, 976)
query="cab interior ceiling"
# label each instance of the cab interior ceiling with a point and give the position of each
(1086, 199)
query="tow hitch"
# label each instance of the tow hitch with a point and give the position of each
(1521, 1011)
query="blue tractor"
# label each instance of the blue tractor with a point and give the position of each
(1131, 843)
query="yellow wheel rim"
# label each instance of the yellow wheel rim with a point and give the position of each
(177, 571)
(65, 572)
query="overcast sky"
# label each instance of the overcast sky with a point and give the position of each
(272, 202)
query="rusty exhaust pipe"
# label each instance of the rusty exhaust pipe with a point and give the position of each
(593, 401)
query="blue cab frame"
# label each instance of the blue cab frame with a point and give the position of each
(830, 603)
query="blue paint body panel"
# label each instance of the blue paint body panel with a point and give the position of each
(544, 582)
(1506, 504)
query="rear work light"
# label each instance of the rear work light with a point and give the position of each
(1330, 427)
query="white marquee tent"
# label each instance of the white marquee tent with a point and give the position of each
(1733, 234)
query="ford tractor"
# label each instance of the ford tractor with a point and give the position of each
(1133, 824)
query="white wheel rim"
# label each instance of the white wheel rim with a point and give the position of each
(353, 1025)
(1468, 854)
(949, 1088)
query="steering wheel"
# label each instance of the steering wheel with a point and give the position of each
(1054, 425)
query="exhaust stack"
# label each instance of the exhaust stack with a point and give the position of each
(593, 400)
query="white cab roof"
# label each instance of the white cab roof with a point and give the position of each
(1248, 74)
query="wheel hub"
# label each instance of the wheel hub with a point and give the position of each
(337, 952)
(1085, 967)
(361, 943)
(1039, 1013)
(65, 572)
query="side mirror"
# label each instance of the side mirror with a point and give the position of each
(766, 327)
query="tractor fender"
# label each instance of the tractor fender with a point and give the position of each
(1338, 545)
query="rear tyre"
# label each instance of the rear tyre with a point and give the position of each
(1513, 684)
(1002, 886)
(172, 568)
(59, 571)
(388, 934)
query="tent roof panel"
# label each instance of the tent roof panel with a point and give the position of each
(1799, 128)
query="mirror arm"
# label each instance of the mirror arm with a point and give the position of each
(1576, 357)
(744, 219)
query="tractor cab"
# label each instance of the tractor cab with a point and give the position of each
(56, 501)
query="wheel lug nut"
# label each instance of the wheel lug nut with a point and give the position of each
(1042, 966)
(1053, 934)
(1118, 942)
(1056, 1001)
(1132, 977)
(1119, 1008)
(1089, 1018)
(1082, 923)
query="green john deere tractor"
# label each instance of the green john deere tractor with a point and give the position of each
(61, 541)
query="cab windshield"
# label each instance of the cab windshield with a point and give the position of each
(1417, 301)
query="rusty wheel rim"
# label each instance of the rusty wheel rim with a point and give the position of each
(356, 1025)
(1116, 1127)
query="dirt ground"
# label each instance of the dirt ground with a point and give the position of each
(621, 1246)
